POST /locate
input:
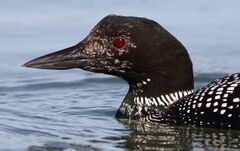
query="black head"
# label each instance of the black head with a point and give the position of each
(136, 49)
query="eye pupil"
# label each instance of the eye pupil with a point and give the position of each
(119, 42)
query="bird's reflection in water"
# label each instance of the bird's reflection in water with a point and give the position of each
(156, 137)
(164, 137)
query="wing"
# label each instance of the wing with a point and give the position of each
(214, 105)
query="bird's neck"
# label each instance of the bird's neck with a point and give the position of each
(150, 95)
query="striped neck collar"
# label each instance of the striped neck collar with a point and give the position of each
(162, 100)
(132, 106)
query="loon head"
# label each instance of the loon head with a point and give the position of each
(138, 50)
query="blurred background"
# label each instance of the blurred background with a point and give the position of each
(43, 109)
(209, 29)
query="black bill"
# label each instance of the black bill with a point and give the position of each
(64, 59)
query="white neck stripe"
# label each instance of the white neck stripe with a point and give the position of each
(164, 100)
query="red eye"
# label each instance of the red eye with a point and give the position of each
(119, 42)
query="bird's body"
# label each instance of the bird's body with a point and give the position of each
(214, 105)
(158, 70)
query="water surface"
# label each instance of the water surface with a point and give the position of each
(74, 110)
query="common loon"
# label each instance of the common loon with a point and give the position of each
(158, 70)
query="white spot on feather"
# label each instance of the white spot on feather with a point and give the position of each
(208, 105)
(215, 103)
(230, 88)
(236, 100)
(217, 97)
(199, 104)
(224, 105)
(209, 99)
(222, 112)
